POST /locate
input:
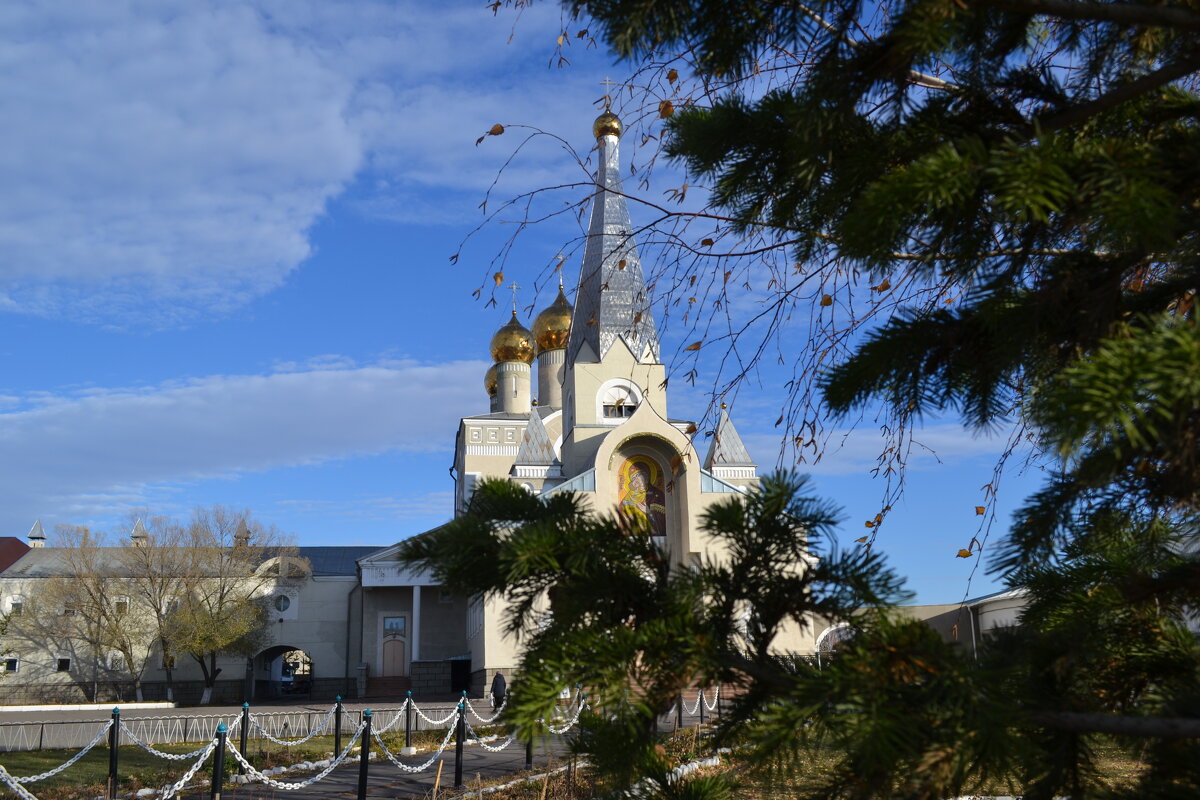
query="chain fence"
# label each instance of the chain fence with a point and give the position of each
(221, 739)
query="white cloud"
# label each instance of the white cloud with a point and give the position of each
(98, 451)
(169, 158)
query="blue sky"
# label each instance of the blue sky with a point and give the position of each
(225, 270)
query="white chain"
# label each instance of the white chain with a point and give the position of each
(490, 748)
(695, 709)
(405, 767)
(392, 721)
(74, 758)
(564, 728)
(21, 791)
(493, 717)
(191, 773)
(716, 699)
(287, 787)
(292, 742)
(442, 721)
(159, 753)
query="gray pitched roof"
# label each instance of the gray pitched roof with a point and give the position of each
(36, 532)
(536, 447)
(727, 448)
(335, 560)
(612, 301)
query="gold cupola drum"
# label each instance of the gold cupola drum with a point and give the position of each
(513, 349)
(551, 330)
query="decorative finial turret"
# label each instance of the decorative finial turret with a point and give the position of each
(513, 342)
(553, 326)
(608, 123)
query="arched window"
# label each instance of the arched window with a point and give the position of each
(617, 400)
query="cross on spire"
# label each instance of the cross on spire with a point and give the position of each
(514, 288)
(607, 93)
(561, 260)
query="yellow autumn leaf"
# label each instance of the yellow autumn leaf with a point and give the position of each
(979, 511)
(496, 130)
(666, 108)
(964, 554)
(706, 242)
(498, 278)
(672, 75)
(826, 300)
(869, 524)
(621, 264)
(693, 347)
(862, 539)
(691, 428)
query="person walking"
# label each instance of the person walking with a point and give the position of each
(499, 687)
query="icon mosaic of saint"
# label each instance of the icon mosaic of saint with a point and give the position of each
(641, 492)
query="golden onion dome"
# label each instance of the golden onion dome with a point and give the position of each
(513, 342)
(491, 382)
(551, 327)
(607, 123)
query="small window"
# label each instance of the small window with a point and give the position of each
(618, 400)
(283, 602)
(12, 665)
(16, 605)
(445, 597)
(64, 665)
(116, 662)
(618, 410)
(70, 610)
(121, 605)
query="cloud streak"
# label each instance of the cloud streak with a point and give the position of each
(102, 450)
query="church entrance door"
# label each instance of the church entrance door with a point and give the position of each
(395, 645)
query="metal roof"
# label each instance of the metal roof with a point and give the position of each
(612, 301)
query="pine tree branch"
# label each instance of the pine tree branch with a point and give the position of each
(1157, 727)
(919, 78)
(1123, 93)
(1123, 13)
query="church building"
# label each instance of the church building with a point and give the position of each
(594, 421)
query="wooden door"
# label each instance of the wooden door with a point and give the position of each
(395, 645)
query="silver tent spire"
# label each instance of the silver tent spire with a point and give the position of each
(612, 301)
(727, 448)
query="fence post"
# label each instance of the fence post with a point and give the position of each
(218, 778)
(700, 702)
(337, 726)
(245, 733)
(114, 743)
(459, 734)
(364, 755)
(408, 715)
(679, 710)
